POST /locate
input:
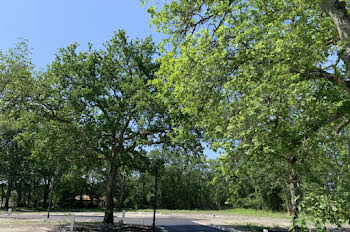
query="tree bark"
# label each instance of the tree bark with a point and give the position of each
(50, 199)
(19, 199)
(46, 193)
(121, 194)
(337, 11)
(8, 195)
(108, 218)
(81, 201)
(188, 190)
(2, 194)
(28, 197)
(35, 201)
(155, 198)
(348, 155)
(295, 196)
(200, 192)
(144, 197)
(288, 206)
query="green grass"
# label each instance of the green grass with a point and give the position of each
(237, 211)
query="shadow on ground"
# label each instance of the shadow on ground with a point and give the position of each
(99, 227)
(253, 228)
(189, 228)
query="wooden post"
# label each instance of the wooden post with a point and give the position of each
(72, 222)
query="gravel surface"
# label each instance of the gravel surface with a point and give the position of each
(28, 222)
(173, 222)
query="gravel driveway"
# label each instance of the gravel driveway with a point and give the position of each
(25, 222)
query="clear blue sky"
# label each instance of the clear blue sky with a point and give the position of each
(52, 24)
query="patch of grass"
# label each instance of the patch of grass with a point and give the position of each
(257, 213)
(237, 211)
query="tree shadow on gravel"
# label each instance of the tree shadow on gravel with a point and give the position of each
(106, 228)
(190, 228)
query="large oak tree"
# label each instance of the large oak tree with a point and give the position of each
(261, 77)
(105, 98)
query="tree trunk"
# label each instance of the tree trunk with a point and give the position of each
(121, 195)
(28, 197)
(19, 195)
(91, 202)
(200, 193)
(35, 201)
(46, 193)
(339, 14)
(348, 155)
(295, 197)
(2, 194)
(8, 195)
(50, 199)
(108, 218)
(144, 197)
(155, 198)
(288, 206)
(81, 201)
(188, 190)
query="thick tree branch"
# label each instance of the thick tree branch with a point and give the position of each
(121, 136)
(321, 74)
(337, 11)
(144, 136)
(52, 115)
(145, 133)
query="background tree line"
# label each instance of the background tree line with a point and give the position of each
(185, 182)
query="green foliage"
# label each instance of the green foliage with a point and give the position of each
(104, 94)
(14, 163)
(257, 185)
(15, 80)
(262, 79)
(90, 115)
(266, 81)
(104, 98)
(184, 183)
(325, 208)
